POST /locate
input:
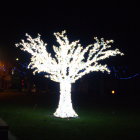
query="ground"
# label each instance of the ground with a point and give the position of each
(30, 117)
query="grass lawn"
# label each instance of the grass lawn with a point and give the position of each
(30, 118)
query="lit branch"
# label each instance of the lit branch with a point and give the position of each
(98, 52)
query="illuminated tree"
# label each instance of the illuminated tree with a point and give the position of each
(68, 65)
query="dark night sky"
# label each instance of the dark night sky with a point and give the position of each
(117, 20)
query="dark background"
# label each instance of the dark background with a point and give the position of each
(84, 20)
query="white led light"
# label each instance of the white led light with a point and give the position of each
(68, 65)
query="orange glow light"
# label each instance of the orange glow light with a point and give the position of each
(113, 91)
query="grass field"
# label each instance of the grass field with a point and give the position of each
(30, 118)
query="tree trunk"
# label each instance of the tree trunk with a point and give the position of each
(65, 108)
